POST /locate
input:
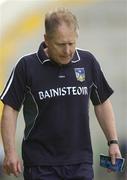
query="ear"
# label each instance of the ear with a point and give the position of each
(46, 39)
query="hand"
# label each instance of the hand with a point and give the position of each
(114, 152)
(12, 164)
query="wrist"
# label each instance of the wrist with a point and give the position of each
(112, 142)
(10, 151)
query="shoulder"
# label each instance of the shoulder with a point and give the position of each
(26, 59)
(86, 55)
(83, 51)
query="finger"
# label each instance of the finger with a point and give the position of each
(19, 167)
(6, 171)
(113, 160)
(15, 170)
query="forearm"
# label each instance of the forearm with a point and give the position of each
(8, 129)
(106, 119)
(11, 164)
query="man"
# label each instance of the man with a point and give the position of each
(55, 85)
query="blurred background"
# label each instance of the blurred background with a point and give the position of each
(103, 31)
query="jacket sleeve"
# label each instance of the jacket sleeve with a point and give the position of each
(14, 91)
(100, 90)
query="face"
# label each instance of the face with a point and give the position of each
(61, 45)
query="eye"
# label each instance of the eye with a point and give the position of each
(60, 44)
(71, 44)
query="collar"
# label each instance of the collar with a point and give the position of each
(43, 58)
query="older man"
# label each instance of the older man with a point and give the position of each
(54, 86)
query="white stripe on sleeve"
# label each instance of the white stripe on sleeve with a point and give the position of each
(8, 85)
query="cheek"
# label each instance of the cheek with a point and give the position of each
(55, 53)
(72, 50)
(52, 50)
(58, 51)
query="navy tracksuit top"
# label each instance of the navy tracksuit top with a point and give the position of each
(55, 103)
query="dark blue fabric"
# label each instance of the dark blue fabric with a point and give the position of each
(70, 172)
(55, 103)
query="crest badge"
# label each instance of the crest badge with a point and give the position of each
(80, 74)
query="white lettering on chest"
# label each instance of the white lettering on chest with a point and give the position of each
(62, 91)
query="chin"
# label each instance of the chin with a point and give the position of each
(65, 61)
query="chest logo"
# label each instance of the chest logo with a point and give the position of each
(80, 74)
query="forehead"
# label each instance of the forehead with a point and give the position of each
(65, 33)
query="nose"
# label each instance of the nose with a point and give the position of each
(67, 49)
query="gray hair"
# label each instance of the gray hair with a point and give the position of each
(57, 17)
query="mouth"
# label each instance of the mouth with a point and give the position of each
(66, 57)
